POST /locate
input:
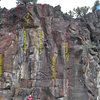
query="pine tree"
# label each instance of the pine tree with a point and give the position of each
(71, 13)
(96, 3)
(25, 2)
(81, 11)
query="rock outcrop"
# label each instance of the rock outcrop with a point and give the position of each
(48, 54)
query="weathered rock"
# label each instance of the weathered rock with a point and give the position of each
(58, 58)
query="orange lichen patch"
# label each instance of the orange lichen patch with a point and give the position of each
(17, 90)
(2, 98)
(18, 98)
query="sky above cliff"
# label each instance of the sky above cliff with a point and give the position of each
(66, 5)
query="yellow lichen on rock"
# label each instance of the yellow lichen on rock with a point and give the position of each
(53, 68)
(40, 41)
(0, 64)
(66, 51)
(25, 45)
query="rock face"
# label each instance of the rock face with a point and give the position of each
(49, 55)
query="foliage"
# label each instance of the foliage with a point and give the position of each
(81, 11)
(25, 2)
(96, 3)
(89, 45)
(71, 13)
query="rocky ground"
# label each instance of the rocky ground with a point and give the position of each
(48, 54)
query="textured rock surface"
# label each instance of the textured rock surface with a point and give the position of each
(62, 57)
